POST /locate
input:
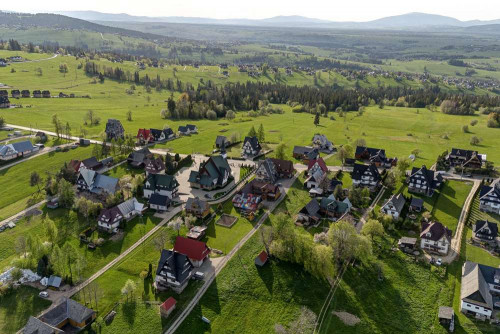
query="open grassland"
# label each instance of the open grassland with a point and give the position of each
(16, 308)
(15, 180)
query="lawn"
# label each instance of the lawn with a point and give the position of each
(17, 307)
(450, 202)
(15, 180)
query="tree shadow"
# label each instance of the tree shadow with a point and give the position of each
(129, 309)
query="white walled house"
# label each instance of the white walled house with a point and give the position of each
(479, 285)
(489, 198)
(162, 184)
(435, 238)
(394, 206)
(109, 219)
(366, 176)
(251, 147)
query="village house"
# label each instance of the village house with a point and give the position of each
(261, 259)
(247, 202)
(144, 136)
(435, 237)
(25, 93)
(16, 150)
(315, 180)
(416, 204)
(197, 232)
(489, 198)
(480, 287)
(91, 163)
(154, 166)
(484, 230)
(46, 94)
(305, 153)
(271, 170)
(334, 209)
(41, 136)
(174, 271)
(251, 147)
(4, 92)
(407, 243)
(162, 184)
(68, 316)
(114, 130)
(316, 165)
(322, 143)
(268, 191)
(310, 214)
(394, 206)
(222, 141)
(196, 251)
(4, 102)
(465, 158)
(138, 158)
(424, 181)
(159, 202)
(15, 93)
(374, 156)
(37, 94)
(109, 219)
(91, 181)
(197, 207)
(213, 173)
(187, 130)
(366, 176)
(161, 135)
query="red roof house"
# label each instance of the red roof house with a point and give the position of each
(195, 250)
(321, 163)
(144, 135)
(168, 306)
(75, 164)
(261, 259)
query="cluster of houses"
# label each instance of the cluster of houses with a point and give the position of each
(465, 159)
(146, 136)
(187, 130)
(25, 93)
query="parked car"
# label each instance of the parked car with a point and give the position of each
(199, 276)
(58, 149)
(44, 294)
(439, 262)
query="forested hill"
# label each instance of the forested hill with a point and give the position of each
(55, 21)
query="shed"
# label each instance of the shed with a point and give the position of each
(168, 306)
(406, 242)
(446, 315)
(261, 259)
(417, 204)
(54, 282)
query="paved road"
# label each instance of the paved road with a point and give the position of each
(36, 60)
(220, 265)
(362, 221)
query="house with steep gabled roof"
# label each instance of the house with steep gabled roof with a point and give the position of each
(480, 286)
(37, 94)
(15, 93)
(197, 207)
(109, 219)
(322, 143)
(213, 173)
(424, 181)
(144, 136)
(251, 147)
(374, 155)
(68, 316)
(334, 209)
(315, 180)
(222, 141)
(310, 213)
(162, 184)
(394, 206)
(305, 153)
(174, 271)
(159, 202)
(465, 158)
(16, 150)
(271, 170)
(484, 230)
(317, 164)
(25, 93)
(489, 198)
(154, 166)
(137, 158)
(196, 251)
(91, 181)
(114, 129)
(435, 237)
(4, 102)
(366, 176)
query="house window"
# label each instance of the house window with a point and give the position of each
(476, 307)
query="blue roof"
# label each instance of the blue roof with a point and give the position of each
(54, 281)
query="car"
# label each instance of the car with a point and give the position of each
(198, 276)
(74, 146)
(439, 262)
(58, 149)
(43, 294)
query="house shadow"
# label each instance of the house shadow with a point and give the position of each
(266, 274)
(213, 301)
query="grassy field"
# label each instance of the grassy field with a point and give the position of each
(16, 308)
(15, 180)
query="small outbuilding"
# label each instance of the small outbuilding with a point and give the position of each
(168, 307)
(261, 259)
(446, 316)
(408, 243)
(54, 282)
(416, 204)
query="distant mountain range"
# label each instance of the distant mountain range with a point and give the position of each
(413, 21)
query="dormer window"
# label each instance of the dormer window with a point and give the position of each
(428, 234)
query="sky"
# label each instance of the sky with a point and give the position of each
(334, 10)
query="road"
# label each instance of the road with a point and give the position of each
(36, 60)
(11, 218)
(220, 265)
(362, 221)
